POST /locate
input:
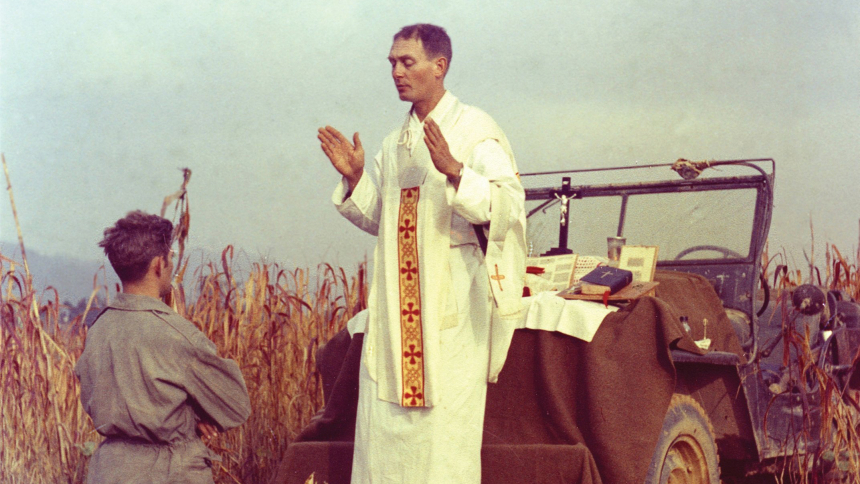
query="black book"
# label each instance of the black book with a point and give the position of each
(606, 278)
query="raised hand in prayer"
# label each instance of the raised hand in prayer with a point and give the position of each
(439, 151)
(347, 159)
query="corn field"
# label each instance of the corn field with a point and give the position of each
(271, 320)
(837, 458)
(271, 323)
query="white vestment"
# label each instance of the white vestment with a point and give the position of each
(440, 319)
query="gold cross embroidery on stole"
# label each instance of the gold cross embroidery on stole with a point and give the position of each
(411, 335)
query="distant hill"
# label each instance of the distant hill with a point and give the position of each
(73, 278)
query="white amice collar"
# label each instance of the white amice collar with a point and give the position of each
(412, 132)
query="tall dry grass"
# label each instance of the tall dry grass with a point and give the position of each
(814, 376)
(271, 320)
(272, 323)
(43, 429)
(41, 419)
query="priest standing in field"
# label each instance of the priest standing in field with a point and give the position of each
(441, 311)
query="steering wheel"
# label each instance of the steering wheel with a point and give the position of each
(716, 248)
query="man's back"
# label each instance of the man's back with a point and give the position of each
(148, 377)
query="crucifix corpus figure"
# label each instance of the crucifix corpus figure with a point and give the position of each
(438, 331)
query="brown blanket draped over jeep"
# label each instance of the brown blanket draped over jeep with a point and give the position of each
(554, 394)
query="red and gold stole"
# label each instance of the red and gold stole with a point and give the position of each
(412, 339)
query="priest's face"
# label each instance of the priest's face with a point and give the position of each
(416, 77)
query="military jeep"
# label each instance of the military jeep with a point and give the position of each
(740, 414)
(701, 381)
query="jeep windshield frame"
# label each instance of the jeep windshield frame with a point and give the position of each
(688, 204)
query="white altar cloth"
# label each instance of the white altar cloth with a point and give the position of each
(544, 311)
(577, 318)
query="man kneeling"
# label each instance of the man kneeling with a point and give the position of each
(150, 379)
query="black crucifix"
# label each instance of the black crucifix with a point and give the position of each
(564, 195)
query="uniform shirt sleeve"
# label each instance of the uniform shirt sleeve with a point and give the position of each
(216, 384)
(488, 164)
(363, 205)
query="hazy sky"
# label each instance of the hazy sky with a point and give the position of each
(101, 103)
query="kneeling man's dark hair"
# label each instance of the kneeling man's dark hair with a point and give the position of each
(134, 241)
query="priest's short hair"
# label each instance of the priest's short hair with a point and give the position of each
(434, 39)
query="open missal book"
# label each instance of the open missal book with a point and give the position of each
(640, 260)
(550, 272)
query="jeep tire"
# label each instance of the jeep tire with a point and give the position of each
(686, 451)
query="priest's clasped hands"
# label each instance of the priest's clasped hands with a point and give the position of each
(348, 158)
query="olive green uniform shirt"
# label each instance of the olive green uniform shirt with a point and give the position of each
(148, 376)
